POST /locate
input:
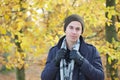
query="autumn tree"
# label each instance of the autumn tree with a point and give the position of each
(111, 37)
(20, 35)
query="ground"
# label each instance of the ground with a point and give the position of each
(33, 72)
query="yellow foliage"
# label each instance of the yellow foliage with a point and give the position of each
(2, 60)
(7, 17)
(25, 42)
(38, 25)
(25, 5)
(117, 24)
(16, 7)
(2, 30)
(26, 66)
(8, 66)
(18, 60)
(20, 24)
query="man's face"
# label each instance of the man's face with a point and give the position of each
(73, 31)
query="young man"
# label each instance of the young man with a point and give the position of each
(72, 58)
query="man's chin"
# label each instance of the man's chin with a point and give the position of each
(73, 40)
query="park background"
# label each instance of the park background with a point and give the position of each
(29, 28)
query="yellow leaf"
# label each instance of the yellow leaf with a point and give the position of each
(16, 7)
(19, 66)
(8, 66)
(23, 55)
(20, 24)
(2, 30)
(117, 24)
(109, 60)
(26, 65)
(25, 43)
(24, 5)
(6, 17)
(8, 58)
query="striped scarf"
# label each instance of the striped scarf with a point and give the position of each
(66, 72)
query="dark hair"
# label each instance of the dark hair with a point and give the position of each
(73, 17)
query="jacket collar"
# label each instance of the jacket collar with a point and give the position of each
(83, 46)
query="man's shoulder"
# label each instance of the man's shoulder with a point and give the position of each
(92, 48)
(54, 48)
(90, 45)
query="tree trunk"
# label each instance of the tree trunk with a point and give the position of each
(110, 35)
(20, 73)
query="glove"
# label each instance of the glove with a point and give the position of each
(59, 55)
(76, 57)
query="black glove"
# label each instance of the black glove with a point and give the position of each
(76, 57)
(59, 55)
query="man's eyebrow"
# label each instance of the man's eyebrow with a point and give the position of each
(71, 26)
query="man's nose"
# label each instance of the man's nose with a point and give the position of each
(74, 31)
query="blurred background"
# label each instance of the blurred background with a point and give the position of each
(29, 28)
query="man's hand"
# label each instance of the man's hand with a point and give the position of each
(59, 55)
(78, 58)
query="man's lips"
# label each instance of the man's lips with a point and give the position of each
(73, 36)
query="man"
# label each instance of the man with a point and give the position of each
(72, 58)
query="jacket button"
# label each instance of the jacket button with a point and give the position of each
(80, 73)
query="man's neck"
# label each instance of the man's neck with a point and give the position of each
(70, 44)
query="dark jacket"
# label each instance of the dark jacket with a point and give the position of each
(91, 68)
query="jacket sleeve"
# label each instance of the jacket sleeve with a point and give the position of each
(93, 70)
(50, 70)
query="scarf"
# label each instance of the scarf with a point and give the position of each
(66, 72)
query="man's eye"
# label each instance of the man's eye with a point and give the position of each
(71, 27)
(77, 29)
